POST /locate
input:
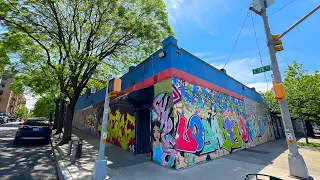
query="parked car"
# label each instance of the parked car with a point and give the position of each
(5, 119)
(1, 120)
(11, 118)
(34, 129)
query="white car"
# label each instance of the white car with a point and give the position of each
(5, 118)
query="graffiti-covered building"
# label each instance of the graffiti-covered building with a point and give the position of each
(179, 109)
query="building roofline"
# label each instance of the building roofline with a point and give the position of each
(212, 66)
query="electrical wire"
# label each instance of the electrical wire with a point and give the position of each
(281, 8)
(235, 44)
(255, 35)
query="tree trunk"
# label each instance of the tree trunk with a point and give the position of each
(305, 132)
(309, 129)
(56, 115)
(60, 119)
(68, 123)
(50, 118)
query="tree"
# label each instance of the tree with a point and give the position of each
(44, 107)
(302, 94)
(4, 59)
(78, 36)
(22, 112)
(273, 104)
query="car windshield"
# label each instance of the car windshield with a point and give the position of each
(36, 122)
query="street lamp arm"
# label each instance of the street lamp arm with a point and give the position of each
(298, 22)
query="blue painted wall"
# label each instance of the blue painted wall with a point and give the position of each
(183, 61)
(195, 66)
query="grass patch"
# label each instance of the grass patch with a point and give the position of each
(309, 145)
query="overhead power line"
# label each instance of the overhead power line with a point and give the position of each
(235, 44)
(255, 34)
(281, 8)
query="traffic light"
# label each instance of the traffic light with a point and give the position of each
(114, 86)
(277, 44)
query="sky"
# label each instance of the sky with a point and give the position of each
(209, 29)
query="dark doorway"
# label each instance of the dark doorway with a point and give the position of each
(143, 131)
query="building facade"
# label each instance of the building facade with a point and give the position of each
(180, 110)
(5, 94)
(16, 101)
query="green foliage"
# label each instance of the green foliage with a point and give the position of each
(44, 106)
(22, 113)
(302, 93)
(271, 101)
(308, 144)
(4, 59)
(80, 36)
(63, 44)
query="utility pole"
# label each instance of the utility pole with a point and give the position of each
(100, 166)
(297, 165)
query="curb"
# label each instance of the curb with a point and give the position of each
(63, 172)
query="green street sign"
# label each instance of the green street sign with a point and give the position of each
(261, 69)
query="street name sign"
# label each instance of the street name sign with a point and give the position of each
(261, 69)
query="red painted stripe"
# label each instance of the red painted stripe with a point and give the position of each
(200, 82)
(163, 75)
(169, 73)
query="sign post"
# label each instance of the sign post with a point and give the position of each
(100, 166)
(297, 165)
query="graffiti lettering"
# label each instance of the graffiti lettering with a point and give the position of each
(196, 127)
(121, 130)
(184, 138)
(197, 124)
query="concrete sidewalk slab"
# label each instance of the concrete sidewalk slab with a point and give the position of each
(270, 158)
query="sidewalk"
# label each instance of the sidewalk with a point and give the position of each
(269, 158)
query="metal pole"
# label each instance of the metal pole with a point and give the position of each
(100, 166)
(297, 165)
(297, 23)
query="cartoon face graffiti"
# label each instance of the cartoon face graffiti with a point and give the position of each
(156, 134)
(156, 145)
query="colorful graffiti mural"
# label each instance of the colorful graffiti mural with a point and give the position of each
(87, 120)
(121, 126)
(162, 127)
(194, 124)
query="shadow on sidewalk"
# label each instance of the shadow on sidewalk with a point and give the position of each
(263, 154)
(117, 157)
(269, 158)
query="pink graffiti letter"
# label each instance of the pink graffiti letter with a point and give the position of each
(184, 139)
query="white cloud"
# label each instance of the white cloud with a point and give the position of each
(196, 11)
(209, 56)
(203, 54)
(261, 86)
(241, 70)
(174, 4)
(212, 59)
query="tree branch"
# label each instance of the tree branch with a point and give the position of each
(35, 39)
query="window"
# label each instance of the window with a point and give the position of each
(37, 123)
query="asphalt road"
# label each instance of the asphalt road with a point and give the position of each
(28, 161)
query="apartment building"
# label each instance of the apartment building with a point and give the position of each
(5, 93)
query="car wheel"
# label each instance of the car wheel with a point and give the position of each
(15, 142)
